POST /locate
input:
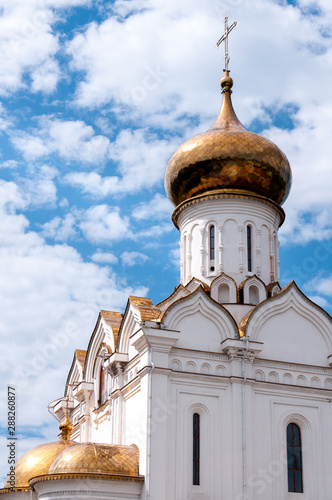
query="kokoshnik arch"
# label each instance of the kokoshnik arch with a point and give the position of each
(223, 389)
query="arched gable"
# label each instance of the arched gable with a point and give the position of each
(292, 328)
(250, 284)
(106, 330)
(224, 280)
(194, 283)
(179, 292)
(203, 324)
(139, 309)
(76, 372)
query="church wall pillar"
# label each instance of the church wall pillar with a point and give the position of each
(258, 253)
(159, 467)
(241, 267)
(221, 250)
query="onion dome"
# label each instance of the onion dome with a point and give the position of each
(38, 461)
(227, 159)
(96, 458)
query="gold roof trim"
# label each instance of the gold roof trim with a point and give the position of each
(148, 311)
(77, 475)
(112, 318)
(80, 355)
(5, 491)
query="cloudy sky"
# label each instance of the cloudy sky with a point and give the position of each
(95, 96)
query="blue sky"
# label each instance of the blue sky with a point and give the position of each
(95, 97)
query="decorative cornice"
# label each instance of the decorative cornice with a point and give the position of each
(226, 194)
(90, 493)
(6, 491)
(106, 477)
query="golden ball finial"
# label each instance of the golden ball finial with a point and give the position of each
(66, 428)
(226, 83)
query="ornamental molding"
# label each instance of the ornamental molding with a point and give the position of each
(292, 366)
(226, 194)
(178, 351)
(89, 493)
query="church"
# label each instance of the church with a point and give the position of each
(223, 389)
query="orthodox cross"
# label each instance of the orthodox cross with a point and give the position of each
(224, 38)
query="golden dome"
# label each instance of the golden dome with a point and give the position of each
(95, 458)
(227, 158)
(37, 462)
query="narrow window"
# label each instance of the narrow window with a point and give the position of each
(253, 295)
(294, 459)
(249, 243)
(102, 387)
(196, 449)
(223, 294)
(212, 240)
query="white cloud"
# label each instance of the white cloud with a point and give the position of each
(104, 224)
(320, 301)
(155, 231)
(133, 258)
(60, 229)
(303, 226)
(10, 197)
(104, 258)
(46, 77)
(71, 140)
(140, 158)
(9, 164)
(321, 285)
(176, 38)
(39, 187)
(28, 45)
(93, 183)
(158, 208)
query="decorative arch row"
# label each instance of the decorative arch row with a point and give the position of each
(217, 253)
(251, 291)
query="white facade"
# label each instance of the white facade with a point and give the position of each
(247, 389)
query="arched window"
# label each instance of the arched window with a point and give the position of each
(212, 242)
(249, 249)
(223, 294)
(196, 446)
(294, 459)
(253, 295)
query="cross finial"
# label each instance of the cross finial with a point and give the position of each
(224, 38)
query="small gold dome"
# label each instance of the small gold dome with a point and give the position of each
(95, 458)
(37, 462)
(227, 158)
